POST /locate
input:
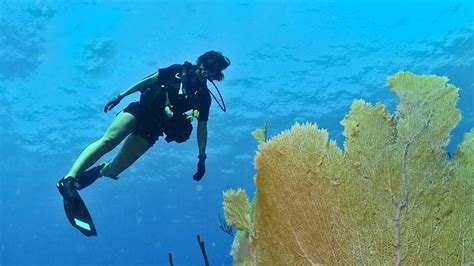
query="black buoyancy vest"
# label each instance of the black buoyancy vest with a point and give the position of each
(156, 97)
(153, 98)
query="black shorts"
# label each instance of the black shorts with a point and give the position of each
(148, 126)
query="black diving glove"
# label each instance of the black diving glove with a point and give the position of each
(201, 168)
(112, 103)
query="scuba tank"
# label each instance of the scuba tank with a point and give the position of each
(183, 88)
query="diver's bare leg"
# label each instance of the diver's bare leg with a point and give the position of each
(134, 147)
(116, 133)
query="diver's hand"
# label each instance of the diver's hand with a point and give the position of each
(112, 103)
(201, 168)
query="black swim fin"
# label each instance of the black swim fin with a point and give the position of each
(76, 210)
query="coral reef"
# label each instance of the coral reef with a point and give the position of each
(390, 197)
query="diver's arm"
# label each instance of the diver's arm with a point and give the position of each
(141, 85)
(202, 137)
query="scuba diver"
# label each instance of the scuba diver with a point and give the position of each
(166, 96)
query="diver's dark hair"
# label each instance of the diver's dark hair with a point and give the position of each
(215, 62)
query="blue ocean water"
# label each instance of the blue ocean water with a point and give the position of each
(292, 61)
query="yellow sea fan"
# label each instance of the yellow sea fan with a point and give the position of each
(391, 197)
(242, 249)
(260, 134)
(237, 210)
(464, 185)
(465, 157)
(294, 212)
